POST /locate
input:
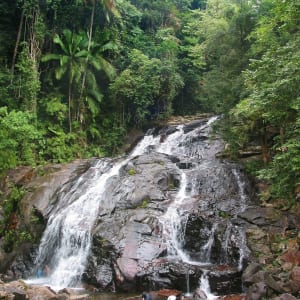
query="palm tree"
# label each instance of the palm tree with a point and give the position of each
(78, 58)
(108, 6)
(90, 95)
(73, 48)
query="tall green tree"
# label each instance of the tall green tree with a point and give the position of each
(71, 58)
(271, 110)
(108, 6)
(75, 62)
(26, 81)
(224, 28)
(146, 88)
(19, 139)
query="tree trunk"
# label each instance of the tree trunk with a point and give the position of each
(282, 135)
(87, 59)
(264, 147)
(34, 51)
(12, 69)
(69, 103)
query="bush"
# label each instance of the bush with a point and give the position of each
(19, 139)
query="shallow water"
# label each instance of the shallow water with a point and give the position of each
(119, 296)
(111, 296)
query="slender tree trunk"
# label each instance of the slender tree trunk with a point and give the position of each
(264, 147)
(69, 100)
(89, 47)
(282, 135)
(91, 25)
(34, 52)
(12, 69)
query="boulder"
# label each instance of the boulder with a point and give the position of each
(257, 291)
(285, 297)
(295, 280)
(41, 292)
(249, 272)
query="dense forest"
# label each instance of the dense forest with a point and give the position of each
(77, 75)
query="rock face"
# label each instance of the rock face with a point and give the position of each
(273, 239)
(169, 215)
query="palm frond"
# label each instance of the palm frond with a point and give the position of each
(50, 56)
(57, 40)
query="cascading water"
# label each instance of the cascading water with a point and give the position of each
(191, 238)
(66, 242)
(68, 231)
(204, 286)
(175, 219)
(173, 223)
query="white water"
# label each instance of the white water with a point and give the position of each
(242, 207)
(173, 223)
(171, 144)
(207, 247)
(241, 185)
(204, 286)
(71, 229)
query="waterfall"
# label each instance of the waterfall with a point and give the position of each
(68, 232)
(66, 243)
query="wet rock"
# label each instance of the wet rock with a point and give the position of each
(99, 270)
(184, 165)
(228, 280)
(128, 267)
(204, 240)
(41, 186)
(146, 178)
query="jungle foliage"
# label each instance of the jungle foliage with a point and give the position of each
(76, 75)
